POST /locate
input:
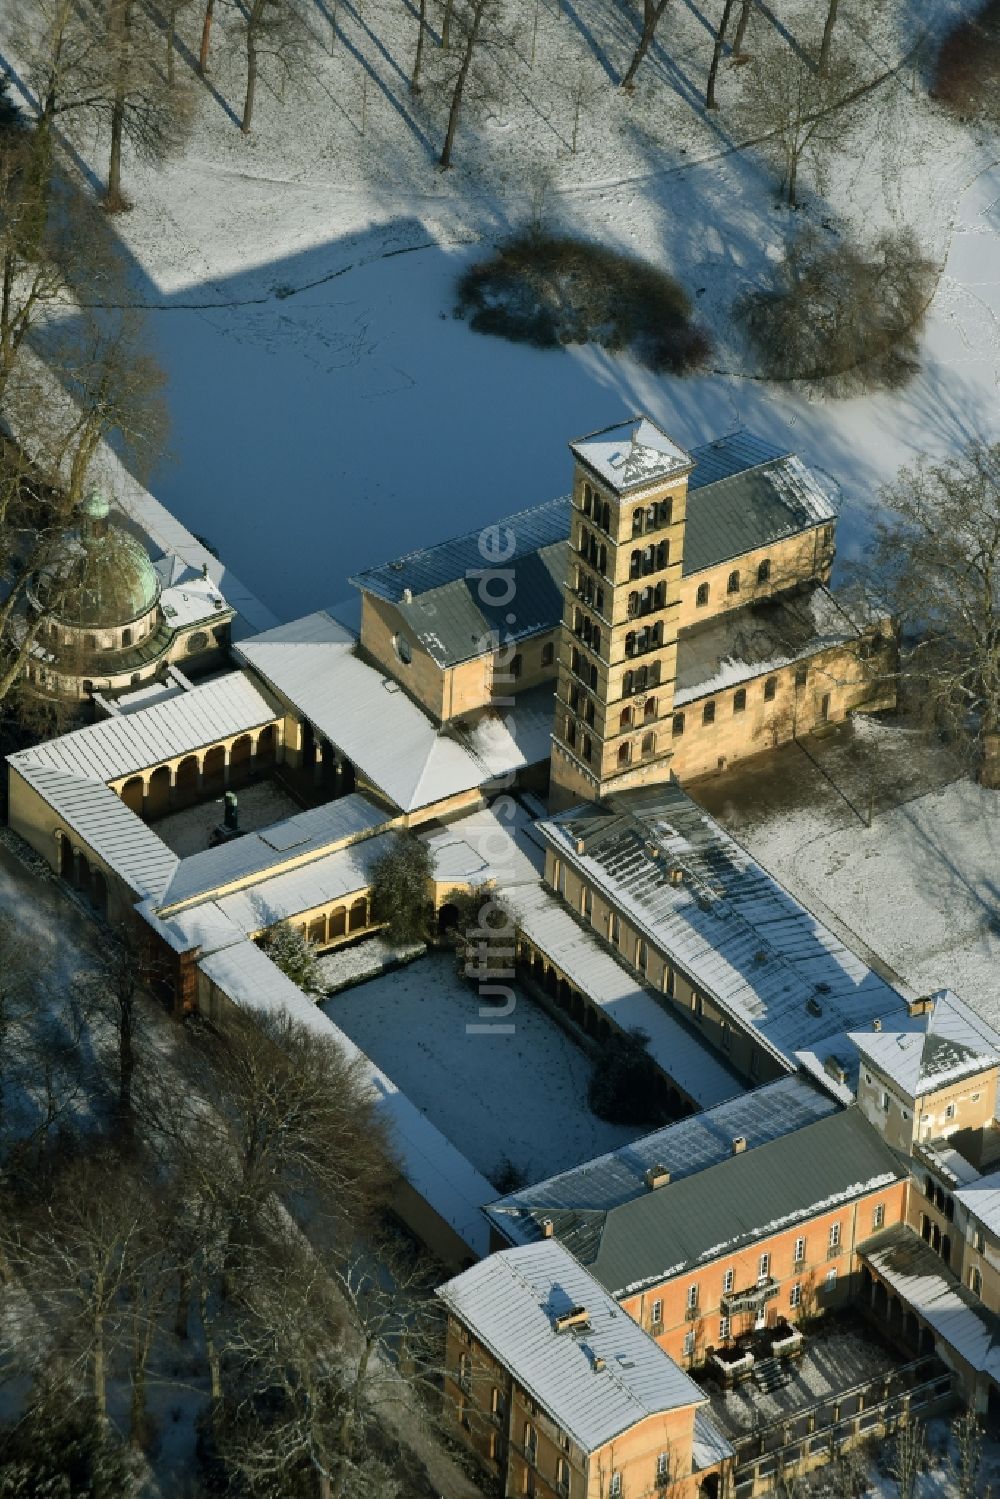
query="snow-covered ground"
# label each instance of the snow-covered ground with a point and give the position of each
(516, 1096)
(920, 887)
(327, 409)
(187, 832)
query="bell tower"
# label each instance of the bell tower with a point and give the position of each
(618, 641)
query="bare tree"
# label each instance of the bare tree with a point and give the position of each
(294, 1120)
(273, 30)
(419, 52)
(741, 27)
(798, 112)
(206, 37)
(967, 1435)
(95, 62)
(652, 15)
(827, 42)
(909, 1458)
(717, 50)
(478, 26)
(934, 564)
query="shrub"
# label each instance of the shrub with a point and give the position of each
(967, 72)
(550, 290)
(293, 954)
(625, 1083)
(400, 888)
(484, 949)
(842, 311)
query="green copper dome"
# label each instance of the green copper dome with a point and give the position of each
(105, 579)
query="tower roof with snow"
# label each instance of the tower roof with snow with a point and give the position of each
(632, 455)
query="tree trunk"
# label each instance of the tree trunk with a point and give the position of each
(446, 24)
(126, 1060)
(211, 1352)
(183, 1310)
(651, 14)
(418, 57)
(741, 28)
(121, 20)
(720, 42)
(793, 172)
(171, 29)
(206, 37)
(478, 11)
(824, 50)
(247, 119)
(989, 768)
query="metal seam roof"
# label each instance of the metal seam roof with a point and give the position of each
(510, 1301)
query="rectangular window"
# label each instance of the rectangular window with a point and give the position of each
(656, 1314)
(885, 1102)
(688, 1344)
(616, 1486)
(723, 1329)
(548, 653)
(800, 1250)
(801, 677)
(763, 1268)
(770, 688)
(878, 1217)
(669, 982)
(726, 1035)
(978, 1241)
(740, 700)
(616, 928)
(663, 1467)
(708, 713)
(727, 1283)
(976, 1281)
(692, 1297)
(831, 1281)
(949, 1112)
(834, 1235)
(795, 1295)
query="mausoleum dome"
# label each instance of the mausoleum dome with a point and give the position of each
(105, 580)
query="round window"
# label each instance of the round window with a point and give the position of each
(197, 642)
(402, 649)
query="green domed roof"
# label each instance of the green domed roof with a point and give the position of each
(106, 578)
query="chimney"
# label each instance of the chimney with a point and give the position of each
(548, 1228)
(676, 875)
(657, 1176)
(876, 1024)
(580, 846)
(599, 1363)
(576, 1317)
(407, 595)
(231, 815)
(739, 1144)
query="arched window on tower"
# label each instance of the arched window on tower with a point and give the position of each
(625, 718)
(637, 521)
(635, 564)
(648, 745)
(624, 753)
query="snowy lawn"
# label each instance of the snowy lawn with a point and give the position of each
(920, 887)
(328, 410)
(517, 1097)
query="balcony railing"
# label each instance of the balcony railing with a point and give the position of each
(751, 1298)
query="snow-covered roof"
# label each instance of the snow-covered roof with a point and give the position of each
(438, 1172)
(631, 454)
(982, 1199)
(119, 838)
(484, 847)
(279, 897)
(187, 595)
(596, 1380)
(741, 938)
(919, 1276)
(313, 663)
(633, 1239)
(764, 636)
(929, 1051)
(444, 596)
(745, 494)
(676, 1048)
(303, 837)
(682, 1149)
(126, 743)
